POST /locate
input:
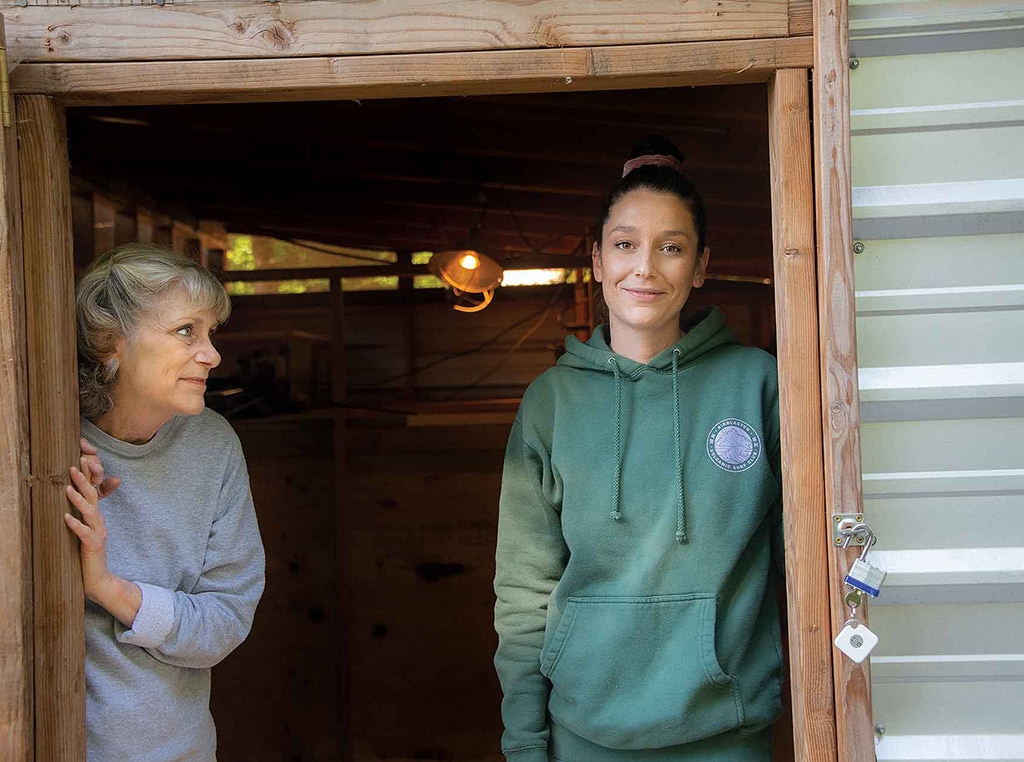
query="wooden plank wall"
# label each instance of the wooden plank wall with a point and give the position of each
(420, 516)
(59, 616)
(16, 643)
(422, 504)
(291, 653)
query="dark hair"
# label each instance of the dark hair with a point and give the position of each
(662, 179)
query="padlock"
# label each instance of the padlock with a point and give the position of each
(863, 575)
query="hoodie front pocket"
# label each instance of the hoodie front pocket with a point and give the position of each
(640, 673)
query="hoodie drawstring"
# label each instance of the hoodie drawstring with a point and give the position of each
(616, 513)
(676, 425)
(681, 506)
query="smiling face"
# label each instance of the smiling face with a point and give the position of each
(163, 367)
(647, 263)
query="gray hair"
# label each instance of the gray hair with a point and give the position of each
(114, 293)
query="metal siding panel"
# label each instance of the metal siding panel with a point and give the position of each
(938, 167)
(939, 338)
(946, 156)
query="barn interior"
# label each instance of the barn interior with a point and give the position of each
(373, 414)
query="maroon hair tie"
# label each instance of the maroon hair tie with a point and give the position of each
(654, 159)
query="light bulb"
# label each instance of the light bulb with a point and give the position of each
(469, 261)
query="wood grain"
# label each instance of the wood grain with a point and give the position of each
(806, 525)
(53, 405)
(296, 28)
(414, 75)
(16, 689)
(837, 321)
(801, 17)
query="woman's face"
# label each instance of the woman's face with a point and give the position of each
(163, 368)
(647, 262)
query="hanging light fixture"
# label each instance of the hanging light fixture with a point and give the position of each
(470, 276)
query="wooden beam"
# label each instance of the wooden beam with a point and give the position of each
(16, 646)
(837, 321)
(339, 374)
(801, 17)
(343, 526)
(104, 223)
(83, 225)
(806, 526)
(239, 30)
(401, 270)
(715, 137)
(53, 404)
(413, 75)
(347, 168)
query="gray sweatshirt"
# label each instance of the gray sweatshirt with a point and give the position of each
(183, 528)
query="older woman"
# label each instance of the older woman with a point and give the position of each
(173, 565)
(640, 508)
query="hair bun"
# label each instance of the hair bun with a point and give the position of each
(656, 145)
(654, 151)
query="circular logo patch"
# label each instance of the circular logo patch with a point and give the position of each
(733, 445)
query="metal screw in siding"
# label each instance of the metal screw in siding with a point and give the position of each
(854, 63)
(858, 247)
(879, 729)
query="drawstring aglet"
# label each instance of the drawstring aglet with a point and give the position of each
(617, 515)
(681, 537)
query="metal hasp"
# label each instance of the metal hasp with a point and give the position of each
(842, 523)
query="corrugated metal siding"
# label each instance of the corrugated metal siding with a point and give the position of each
(938, 169)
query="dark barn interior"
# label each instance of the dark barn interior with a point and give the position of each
(373, 415)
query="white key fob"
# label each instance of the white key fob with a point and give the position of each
(856, 641)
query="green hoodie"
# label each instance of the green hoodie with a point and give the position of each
(640, 504)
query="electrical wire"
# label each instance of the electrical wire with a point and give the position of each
(465, 352)
(498, 365)
(324, 250)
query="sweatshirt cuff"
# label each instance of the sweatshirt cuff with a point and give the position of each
(529, 754)
(155, 618)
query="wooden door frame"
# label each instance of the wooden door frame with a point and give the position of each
(814, 293)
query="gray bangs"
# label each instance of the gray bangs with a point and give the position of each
(205, 292)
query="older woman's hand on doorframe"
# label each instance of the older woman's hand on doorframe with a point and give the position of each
(90, 528)
(105, 485)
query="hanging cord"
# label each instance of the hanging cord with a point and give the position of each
(616, 513)
(681, 510)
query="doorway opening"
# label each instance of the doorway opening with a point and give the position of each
(377, 621)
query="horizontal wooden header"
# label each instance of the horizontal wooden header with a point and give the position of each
(103, 31)
(414, 75)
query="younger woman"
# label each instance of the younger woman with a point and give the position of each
(640, 504)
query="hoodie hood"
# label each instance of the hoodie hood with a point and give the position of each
(705, 332)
